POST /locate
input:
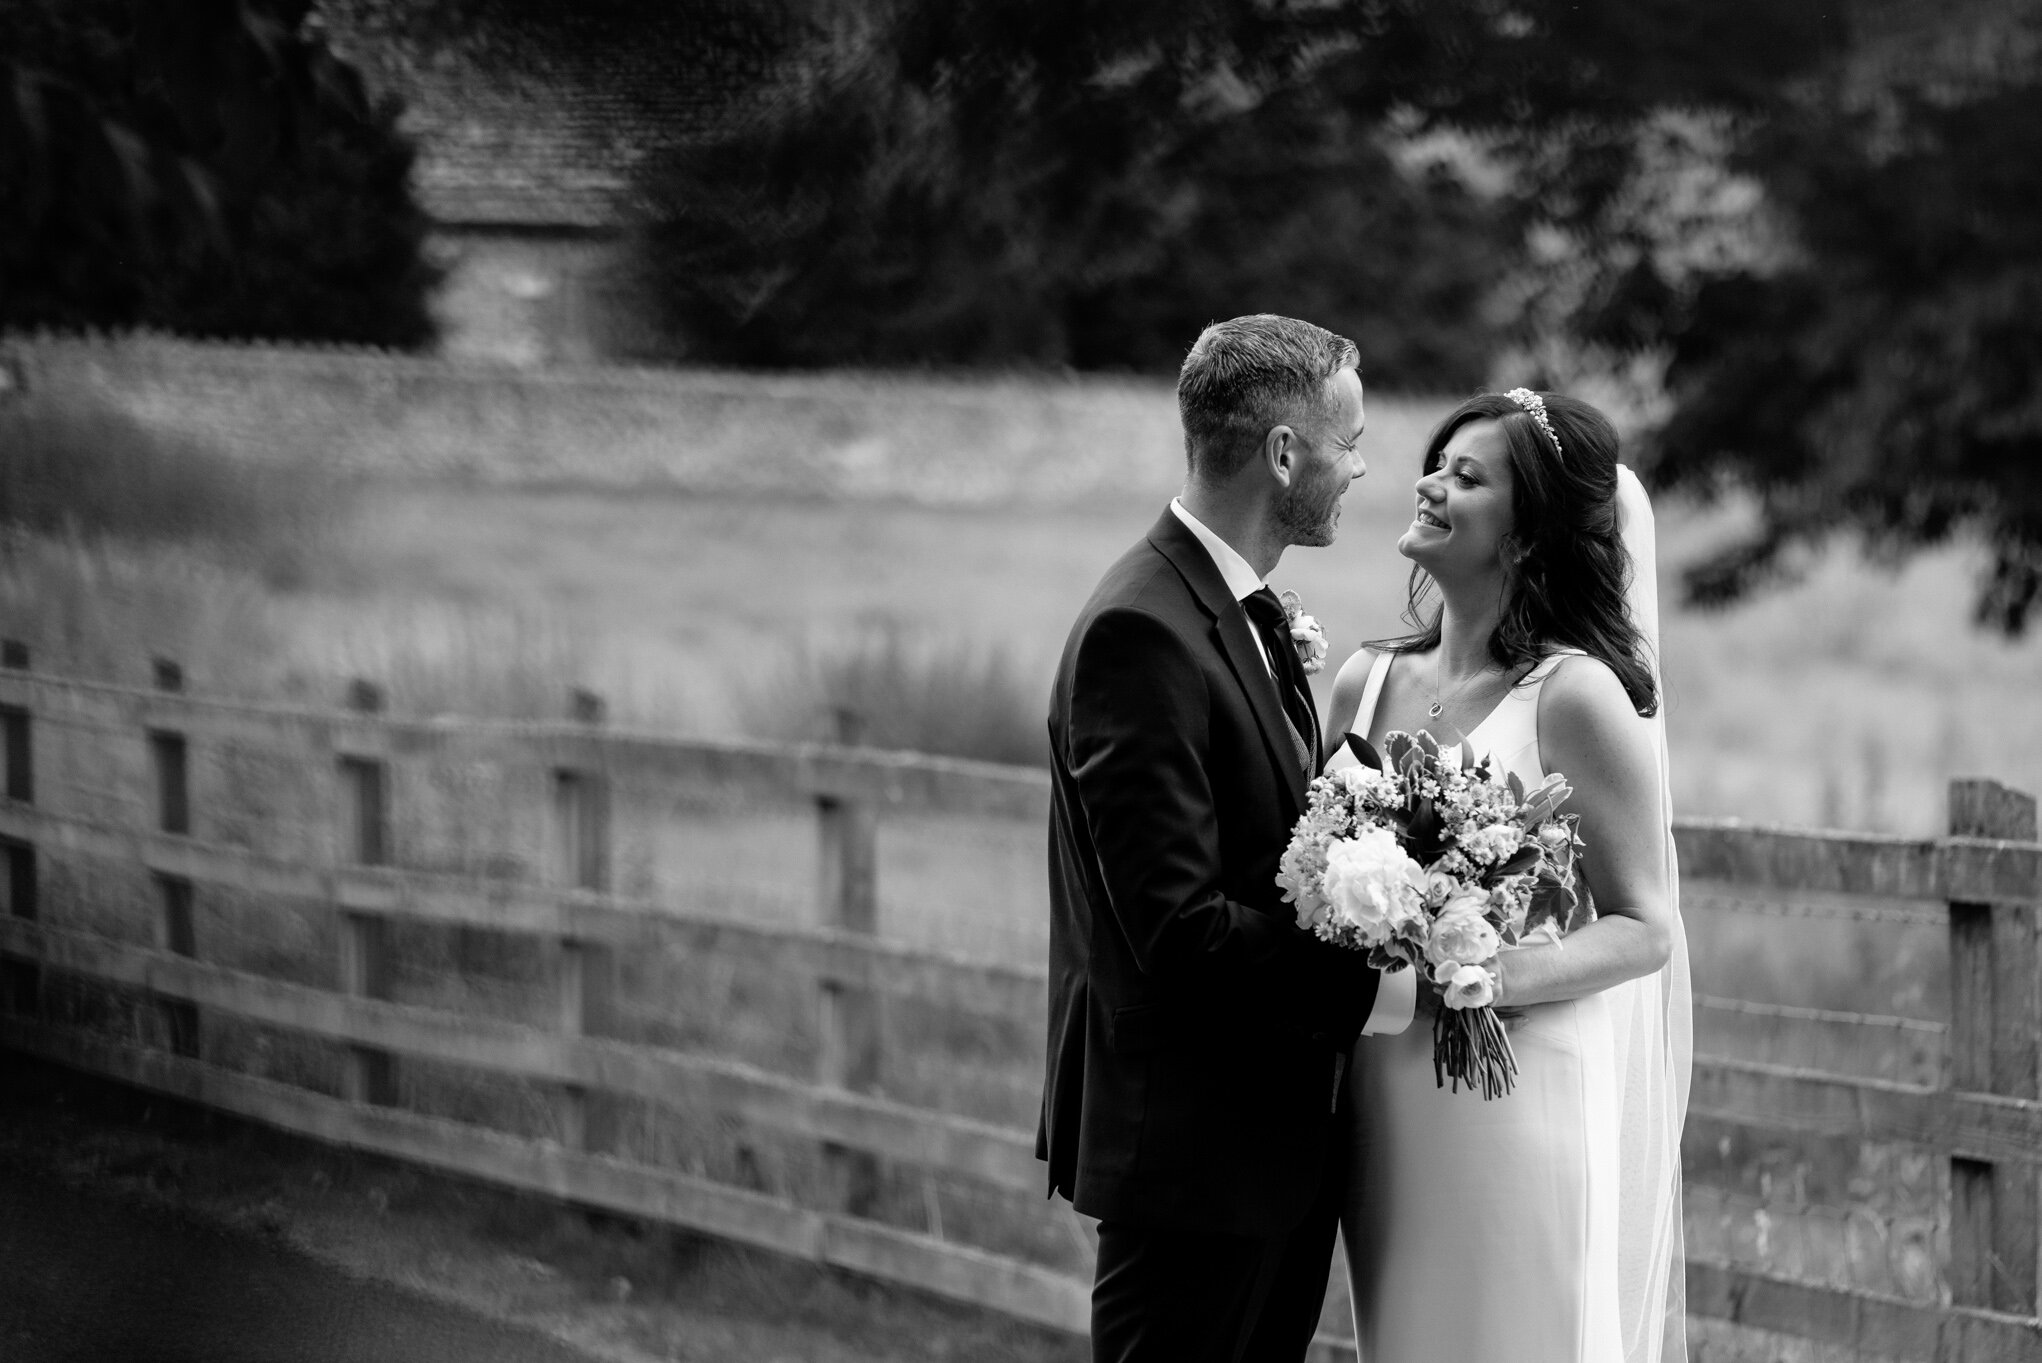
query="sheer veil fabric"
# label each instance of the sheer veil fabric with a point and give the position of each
(1653, 1019)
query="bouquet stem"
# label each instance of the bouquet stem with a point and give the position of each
(1470, 1046)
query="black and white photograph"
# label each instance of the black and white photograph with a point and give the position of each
(1020, 681)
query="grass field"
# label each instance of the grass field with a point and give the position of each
(1848, 699)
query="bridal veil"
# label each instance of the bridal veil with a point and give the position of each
(1654, 1024)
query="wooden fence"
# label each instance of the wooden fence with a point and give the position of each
(1972, 1120)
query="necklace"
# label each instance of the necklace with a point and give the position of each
(1438, 706)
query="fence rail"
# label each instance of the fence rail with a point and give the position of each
(1982, 1120)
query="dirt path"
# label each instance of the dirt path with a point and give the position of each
(92, 1276)
(136, 1228)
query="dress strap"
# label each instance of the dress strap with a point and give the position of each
(1365, 713)
(1546, 666)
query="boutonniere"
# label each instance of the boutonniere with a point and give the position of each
(1307, 635)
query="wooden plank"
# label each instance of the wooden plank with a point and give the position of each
(1973, 1125)
(21, 982)
(847, 900)
(587, 986)
(177, 935)
(17, 753)
(797, 773)
(507, 906)
(1000, 1156)
(370, 1075)
(1026, 1291)
(1789, 859)
(1873, 1325)
(1996, 1018)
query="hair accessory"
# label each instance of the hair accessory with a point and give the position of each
(1536, 405)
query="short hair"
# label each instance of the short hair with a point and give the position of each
(1247, 375)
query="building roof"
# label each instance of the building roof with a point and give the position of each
(542, 124)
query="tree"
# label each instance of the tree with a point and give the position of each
(1008, 181)
(1879, 366)
(208, 167)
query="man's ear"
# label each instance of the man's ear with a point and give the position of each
(1280, 454)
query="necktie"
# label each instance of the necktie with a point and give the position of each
(1265, 612)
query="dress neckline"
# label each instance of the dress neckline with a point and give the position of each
(1509, 695)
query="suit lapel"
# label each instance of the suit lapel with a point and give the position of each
(1236, 641)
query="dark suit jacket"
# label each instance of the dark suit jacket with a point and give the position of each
(1193, 1027)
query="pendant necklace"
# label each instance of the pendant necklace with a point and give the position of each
(1438, 706)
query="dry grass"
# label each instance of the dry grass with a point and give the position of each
(1847, 700)
(74, 463)
(884, 688)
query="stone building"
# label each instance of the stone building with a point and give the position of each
(529, 140)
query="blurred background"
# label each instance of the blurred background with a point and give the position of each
(791, 370)
(489, 345)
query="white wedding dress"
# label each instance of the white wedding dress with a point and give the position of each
(1486, 1232)
(1543, 1226)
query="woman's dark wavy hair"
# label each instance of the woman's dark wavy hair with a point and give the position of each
(1565, 563)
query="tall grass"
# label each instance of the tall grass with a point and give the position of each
(886, 687)
(103, 608)
(74, 464)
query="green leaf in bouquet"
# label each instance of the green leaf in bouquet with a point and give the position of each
(1428, 744)
(1468, 757)
(1522, 861)
(1426, 828)
(1364, 752)
(1516, 785)
(1399, 745)
(1556, 903)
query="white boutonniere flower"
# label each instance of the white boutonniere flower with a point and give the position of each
(1306, 633)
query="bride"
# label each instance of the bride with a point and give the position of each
(1543, 1226)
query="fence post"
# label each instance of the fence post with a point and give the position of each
(850, 1031)
(176, 932)
(1995, 1017)
(21, 981)
(369, 1075)
(581, 836)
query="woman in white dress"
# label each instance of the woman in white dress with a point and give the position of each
(1543, 1226)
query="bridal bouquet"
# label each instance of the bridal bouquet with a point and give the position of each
(1436, 866)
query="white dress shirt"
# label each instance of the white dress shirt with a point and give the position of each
(1397, 996)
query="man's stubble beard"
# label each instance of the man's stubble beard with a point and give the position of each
(1309, 515)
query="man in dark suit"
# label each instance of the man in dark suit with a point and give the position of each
(1197, 1035)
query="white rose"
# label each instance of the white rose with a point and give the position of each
(1462, 932)
(1373, 884)
(1465, 986)
(1555, 836)
(1439, 887)
(1494, 843)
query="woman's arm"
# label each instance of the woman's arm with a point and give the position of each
(1589, 732)
(1346, 703)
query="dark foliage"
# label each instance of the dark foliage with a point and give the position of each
(207, 167)
(1001, 182)
(1887, 375)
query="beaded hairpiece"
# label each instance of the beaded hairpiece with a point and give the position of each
(1536, 405)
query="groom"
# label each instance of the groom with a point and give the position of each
(1197, 1036)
